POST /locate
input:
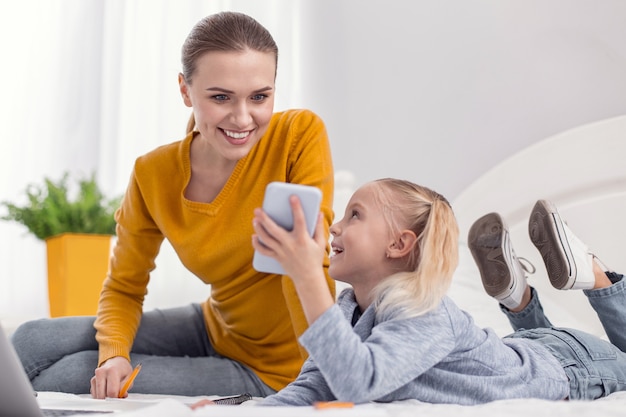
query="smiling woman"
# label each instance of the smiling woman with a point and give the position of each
(199, 193)
(231, 111)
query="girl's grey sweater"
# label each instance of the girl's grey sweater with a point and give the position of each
(439, 357)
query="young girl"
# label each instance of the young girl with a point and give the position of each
(395, 335)
(199, 193)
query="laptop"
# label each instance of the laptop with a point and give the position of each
(17, 398)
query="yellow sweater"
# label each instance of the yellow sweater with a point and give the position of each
(252, 317)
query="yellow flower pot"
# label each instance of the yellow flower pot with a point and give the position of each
(77, 266)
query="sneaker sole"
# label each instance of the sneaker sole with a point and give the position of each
(487, 253)
(545, 228)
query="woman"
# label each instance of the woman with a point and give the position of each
(199, 193)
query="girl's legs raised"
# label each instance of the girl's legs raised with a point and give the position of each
(570, 265)
(504, 274)
(610, 305)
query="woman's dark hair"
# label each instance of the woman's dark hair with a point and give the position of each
(225, 31)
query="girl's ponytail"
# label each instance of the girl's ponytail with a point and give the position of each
(435, 257)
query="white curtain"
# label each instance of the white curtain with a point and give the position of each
(89, 86)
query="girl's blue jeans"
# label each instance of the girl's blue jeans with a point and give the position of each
(595, 367)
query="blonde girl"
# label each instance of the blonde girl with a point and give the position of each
(395, 335)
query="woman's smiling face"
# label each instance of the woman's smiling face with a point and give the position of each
(232, 95)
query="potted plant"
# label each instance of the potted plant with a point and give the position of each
(77, 232)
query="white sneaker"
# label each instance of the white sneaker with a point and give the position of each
(502, 273)
(568, 261)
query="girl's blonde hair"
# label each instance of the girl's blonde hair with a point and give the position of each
(435, 257)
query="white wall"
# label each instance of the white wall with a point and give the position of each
(441, 91)
(434, 91)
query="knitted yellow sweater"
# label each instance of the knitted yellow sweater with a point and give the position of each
(254, 318)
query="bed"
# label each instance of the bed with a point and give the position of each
(582, 171)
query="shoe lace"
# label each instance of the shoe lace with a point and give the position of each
(526, 265)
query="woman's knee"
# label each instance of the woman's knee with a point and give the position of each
(30, 334)
(56, 337)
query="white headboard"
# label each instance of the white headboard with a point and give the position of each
(583, 171)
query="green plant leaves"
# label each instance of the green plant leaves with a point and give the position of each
(50, 210)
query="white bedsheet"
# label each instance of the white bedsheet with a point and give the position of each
(160, 406)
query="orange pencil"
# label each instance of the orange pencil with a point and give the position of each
(333, 404)
(129, 382)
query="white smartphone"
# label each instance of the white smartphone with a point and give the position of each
(276, 205)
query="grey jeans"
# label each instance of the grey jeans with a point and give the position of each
(595, 368)
(172, 345)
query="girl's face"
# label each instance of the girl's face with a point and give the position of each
(232, 95)
(361, 241)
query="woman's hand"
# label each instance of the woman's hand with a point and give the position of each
(109, 377)
(301, 256)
